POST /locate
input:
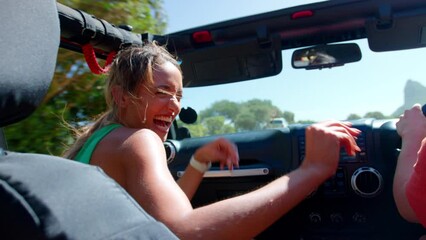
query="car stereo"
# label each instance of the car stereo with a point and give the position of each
(355, 174)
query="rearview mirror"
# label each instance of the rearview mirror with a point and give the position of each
(326, 56)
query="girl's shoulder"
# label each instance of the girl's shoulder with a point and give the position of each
(125, 139)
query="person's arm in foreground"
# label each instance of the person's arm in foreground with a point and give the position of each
(416, 186)
(149, 181)
(412, 129)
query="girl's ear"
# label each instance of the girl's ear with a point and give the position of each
(120, 98)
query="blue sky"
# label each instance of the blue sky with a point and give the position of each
(309, 94)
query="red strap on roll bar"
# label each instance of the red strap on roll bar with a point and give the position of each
(92, 62)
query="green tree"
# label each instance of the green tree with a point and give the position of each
(288, 116)
(225, 108)
(246, 116)
(261, 112)
(250, 115)
(246, 121)
(306, 121)
(216, 125)
(196, 130)
(376, 115)
(353, 116)
(76, 95)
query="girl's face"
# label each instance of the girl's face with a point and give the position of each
(158, 105)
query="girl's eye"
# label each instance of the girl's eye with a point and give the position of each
(162, 94)
(165, 94)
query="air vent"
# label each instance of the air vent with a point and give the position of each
(367, 182)
(170, 151)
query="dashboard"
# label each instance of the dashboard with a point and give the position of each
(356, 203)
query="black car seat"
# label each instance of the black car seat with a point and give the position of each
(42, 196)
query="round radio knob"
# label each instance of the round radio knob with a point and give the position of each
(367, 182)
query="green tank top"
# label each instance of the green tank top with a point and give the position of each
(89, 146)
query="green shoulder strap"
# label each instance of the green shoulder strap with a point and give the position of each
(89, 146)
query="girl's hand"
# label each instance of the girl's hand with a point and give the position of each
(412, 124)
(221, 150)
(323, 143)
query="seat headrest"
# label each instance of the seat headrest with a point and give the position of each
(29, 43)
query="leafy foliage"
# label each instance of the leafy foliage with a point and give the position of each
(228, 117)
(375, 115)
(353, 117)
(76, 95)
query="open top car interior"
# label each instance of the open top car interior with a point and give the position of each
(356, 203)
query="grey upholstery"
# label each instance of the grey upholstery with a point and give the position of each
(42, 196)
(29, 42)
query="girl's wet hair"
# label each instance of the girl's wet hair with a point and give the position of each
(132, 67)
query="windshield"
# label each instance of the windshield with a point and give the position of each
(381, 85)
(379, 82)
